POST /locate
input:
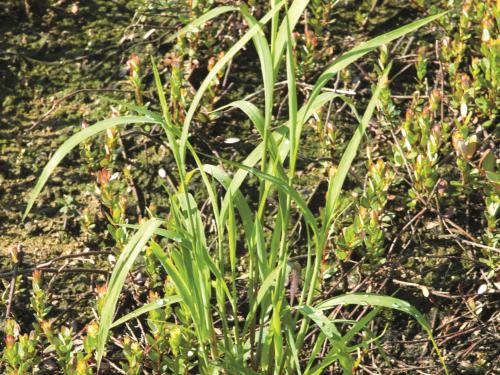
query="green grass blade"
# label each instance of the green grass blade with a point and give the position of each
(290, 332)
(327, 361)
(139, 110)
(213, 73)
(191, 27)
(337, 181)
(122, 267)
(74, 141)
(261, 294)
(170, 234)
(268, 78)
(359, 51)
(231, 366)
(294, 135)
(177, 277)
(277, 137)
(317, 348)
(251, 110)
(334, 187)
(332, 333)
(284, 187)
(360, 325)
(294, 13)
(266, 61)
(238, 200)
(161, 94)
(159, 303)
(364, 299)
(384, 301)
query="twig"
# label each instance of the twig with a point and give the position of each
(115, 367)
(462, 231)
(226, 75)
(408, 97)
(476, 244)
(17, 256)
(139, 196)
(44, 266)
(413, 219)
(54, 277)
(68, 256)
(405, 68)
(67, 96)
(56, 270)
(441, 80)
(422, 288)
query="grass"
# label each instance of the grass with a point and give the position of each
(203, 264)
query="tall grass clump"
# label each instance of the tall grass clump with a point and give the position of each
(265, 328)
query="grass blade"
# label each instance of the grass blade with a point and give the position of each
(159, 303)
(337, 181)
(388, 302)
(263, 290)
(213, 73)
(74, 141)
(251, 110)
(357, 52)
(201, 20)
(284, 187)
(122, 267)
(294, 13)
(332, 333)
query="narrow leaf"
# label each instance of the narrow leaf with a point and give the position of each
(74, 141)
(122, 267)
(147, 308)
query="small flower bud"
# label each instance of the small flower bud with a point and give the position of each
(426, 112)
(46, 326)
(92, 329)
(114, 112)
(466, 8)
(122, 201)
(103, 176)
(465, 81)
(463, 110)
(421, 52)
(133, 64)
(10, 341)
(37, 275)
(485, 36)
(436, 130)
(101, 290)
(311, 39)
(363, 212)
(110, 133)
(211, 63)
(153, 296)
(13, 253)
(442, 186)
(434, 99)
(409, 115)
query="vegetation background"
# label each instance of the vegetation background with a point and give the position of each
(417, 218)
